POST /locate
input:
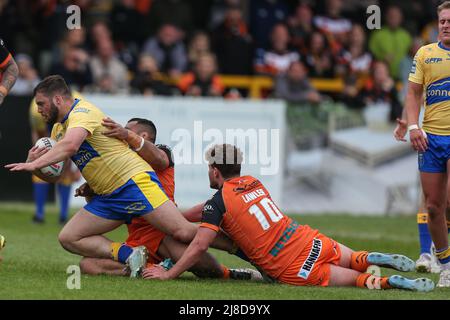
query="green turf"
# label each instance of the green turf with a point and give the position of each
(35, 265)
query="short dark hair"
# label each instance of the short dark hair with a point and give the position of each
(148, 124)
(226, 158)
(54, 84)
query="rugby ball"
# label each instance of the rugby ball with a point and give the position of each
(55, 169)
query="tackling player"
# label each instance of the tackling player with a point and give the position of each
(431, 72)
(284, 250)
(140, 232)
(9, 71)
(126, 186)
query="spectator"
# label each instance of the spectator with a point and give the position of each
(430, 32)
(232, 44)
(198, 46)
(203, 81)
(74, 69)
(391, 44)
(318, 59)
(75, 38)
(168, 50)
(406, 65)
(147, 79)
(99, 31)
(276, 60)
(264, 15)
(126, 24)
(301, 26)
(355, 59)
(380, 88)
(174, 12)
(28, 77)
(295, 87)
(333, 25)
(110, 74)
(218, 11)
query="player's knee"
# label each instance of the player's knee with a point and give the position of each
(434, 209)
(66, 240)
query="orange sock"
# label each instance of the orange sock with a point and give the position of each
(369, 281)
(226, 272)
(358, 261)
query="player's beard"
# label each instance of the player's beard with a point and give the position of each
(53, 114)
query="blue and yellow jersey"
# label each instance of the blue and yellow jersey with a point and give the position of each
(106, 163)
(431, 68)
(41, 128)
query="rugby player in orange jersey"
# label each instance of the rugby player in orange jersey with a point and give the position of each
(9, 71)
(140, 134)
(284, 250)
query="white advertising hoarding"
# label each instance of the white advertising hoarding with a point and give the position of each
(190, 125)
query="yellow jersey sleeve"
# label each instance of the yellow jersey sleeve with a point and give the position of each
(416, 74)
(82, 117)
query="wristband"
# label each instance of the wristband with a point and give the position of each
(413, 127)
(142, 144)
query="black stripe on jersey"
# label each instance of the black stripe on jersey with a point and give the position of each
(214, 209)
(4, 53)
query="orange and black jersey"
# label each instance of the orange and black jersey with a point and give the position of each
(244, 210)
(167, 176)
(5, 56)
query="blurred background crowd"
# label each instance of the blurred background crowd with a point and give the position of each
(205, 47)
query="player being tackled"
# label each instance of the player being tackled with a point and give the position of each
(284, 250)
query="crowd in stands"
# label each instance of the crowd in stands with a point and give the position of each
(180, 47)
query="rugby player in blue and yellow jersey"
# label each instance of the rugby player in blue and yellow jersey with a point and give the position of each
(125, 184)
(431, 72)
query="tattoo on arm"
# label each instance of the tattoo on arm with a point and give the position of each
(9, 74)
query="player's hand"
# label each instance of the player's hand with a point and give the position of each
(36, 152)
(400, 130)
(418, 139)
(156, 272)
(28, 166)
(84, 191)
(115, 130)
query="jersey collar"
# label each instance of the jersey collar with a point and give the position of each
(71, 108)
(440, 45)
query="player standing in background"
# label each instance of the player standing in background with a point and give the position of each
(140, 232)
(286, 251)
(431, 71)
(9, 71)
(126, 185)
(427, 261)
(40, 129)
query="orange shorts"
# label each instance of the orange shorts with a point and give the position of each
(148, 236)
(312, 266)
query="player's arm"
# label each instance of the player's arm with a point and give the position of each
(64, 149)
(156, 157)
(212, 216)
(191, 256)
(194, 214)
(412, 109)
(9, 71)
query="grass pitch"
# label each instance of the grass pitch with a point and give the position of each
(34, 265)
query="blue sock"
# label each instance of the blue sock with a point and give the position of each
(40, 192)
(424, 233)
(64, 194)
(124, 252)
(239, 253)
